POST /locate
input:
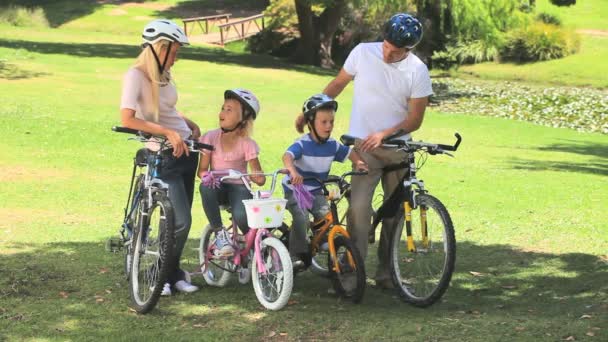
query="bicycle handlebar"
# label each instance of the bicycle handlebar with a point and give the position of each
(193, 145)
(334, 179)
(233, 174)
(409, 146)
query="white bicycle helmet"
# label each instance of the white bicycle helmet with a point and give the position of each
(163, 29)
(247, 99)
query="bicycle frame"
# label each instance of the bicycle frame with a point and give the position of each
(254, 237)
(412, 185)
(330, 225)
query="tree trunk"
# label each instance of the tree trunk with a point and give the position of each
(328, 24)
(306, 52)
(317, 33)
(430, 15)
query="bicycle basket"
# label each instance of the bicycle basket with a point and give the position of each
(265, 213)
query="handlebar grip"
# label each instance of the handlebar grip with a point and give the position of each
(201, 146)
(395, 134)
(451, 148)
(119, 129)
(347, 140)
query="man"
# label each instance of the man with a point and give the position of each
(391, 90)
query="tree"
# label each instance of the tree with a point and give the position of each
(317, 30)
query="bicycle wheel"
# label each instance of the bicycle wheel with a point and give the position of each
(318, 264)
(215, 273)
(350, 281)
(422, 271)
(152, 252)
(273, 287)
(134, 216)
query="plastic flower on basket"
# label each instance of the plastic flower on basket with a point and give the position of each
(268, 219)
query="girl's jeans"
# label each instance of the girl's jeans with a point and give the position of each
(227, 193)
(179, 174)
(300, 223)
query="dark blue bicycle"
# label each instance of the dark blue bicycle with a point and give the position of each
(147, 234)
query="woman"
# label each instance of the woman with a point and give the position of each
(148, 104)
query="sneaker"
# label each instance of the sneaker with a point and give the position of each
(385, 283)
(296, 263)
(184, 286)
(223, 246)
(244, 275)
(166, 290)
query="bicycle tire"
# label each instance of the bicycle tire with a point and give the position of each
(408, 267)
(355, 293)
(152, 254)
(132, 222)
(280, 278)
(215, 274)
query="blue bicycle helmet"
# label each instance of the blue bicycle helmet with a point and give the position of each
(315, 102)
(403, 30)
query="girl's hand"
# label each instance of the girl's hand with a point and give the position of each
(259, 180)
(296, 178)
(179, 146)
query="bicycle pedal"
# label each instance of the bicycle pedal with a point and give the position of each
(113, 245)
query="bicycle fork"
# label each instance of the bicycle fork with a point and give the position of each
(332, 248)
(411, 247)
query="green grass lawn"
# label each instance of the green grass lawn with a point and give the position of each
(528, 204)
(586, 14)
(588, 67)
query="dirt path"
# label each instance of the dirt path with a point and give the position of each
(599, 33)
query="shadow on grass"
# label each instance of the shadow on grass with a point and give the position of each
(11, 72)
(73, 290)
(196, 8)
(213, 55)
(597, 166)
(60, 12)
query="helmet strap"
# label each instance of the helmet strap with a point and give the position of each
(161, 67)
(313, 130)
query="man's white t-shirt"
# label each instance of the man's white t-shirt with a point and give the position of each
(383, 90)
(137, 95)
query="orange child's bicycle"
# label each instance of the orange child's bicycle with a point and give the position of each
(331, 251)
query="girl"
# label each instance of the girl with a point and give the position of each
(148, 104)
(311, 156)
(234, 149)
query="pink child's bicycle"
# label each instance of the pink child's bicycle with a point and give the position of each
(259, 251)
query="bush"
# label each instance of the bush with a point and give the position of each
(539, 42)
(549, 18)
(21, 16)
(281, 32)
(444, 60)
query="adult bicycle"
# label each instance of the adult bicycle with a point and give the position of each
(147, 233)
(423, 254)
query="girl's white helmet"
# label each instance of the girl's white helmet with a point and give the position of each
(163, 29)
(246, 97)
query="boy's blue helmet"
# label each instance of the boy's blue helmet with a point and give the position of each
(403, 30)
(315, 102)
